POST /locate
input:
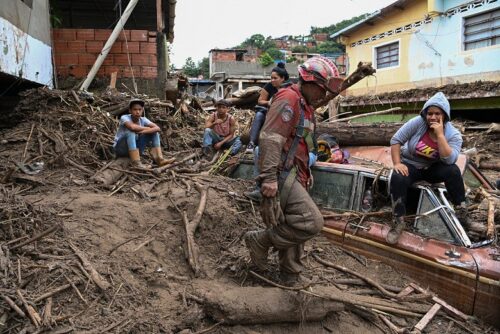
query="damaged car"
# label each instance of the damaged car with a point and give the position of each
(462, 266)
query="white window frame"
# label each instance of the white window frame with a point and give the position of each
(462, 35)
(374, 54)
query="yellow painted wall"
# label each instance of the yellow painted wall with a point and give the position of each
(391, 78)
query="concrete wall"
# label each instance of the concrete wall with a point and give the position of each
(25, 43)
(240, 68)
(430, 54)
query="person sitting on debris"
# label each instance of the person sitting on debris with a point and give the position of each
(135, 132)
(279, 79)
(220, 131)
(426, 148)
(287, 137)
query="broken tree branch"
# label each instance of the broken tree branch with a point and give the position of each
(96, 277)
(190, 227)
(366, 114)
(159, 170)
(36, 237)
(490, 230)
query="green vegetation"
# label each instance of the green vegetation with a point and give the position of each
(383, 118)
(331, 29)
(193, 70)
(265, 59)
(268, 47)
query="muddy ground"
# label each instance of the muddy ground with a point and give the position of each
(113, 258)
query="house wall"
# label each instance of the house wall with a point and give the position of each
(386, 79)
(75, 51)
(451, 63)
(25, 43)
(430, 54)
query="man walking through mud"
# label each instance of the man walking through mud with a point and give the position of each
(286, 139)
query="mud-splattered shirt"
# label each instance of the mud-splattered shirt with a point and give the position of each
(282, 119)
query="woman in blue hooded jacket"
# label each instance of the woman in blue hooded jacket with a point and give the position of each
(426, 148)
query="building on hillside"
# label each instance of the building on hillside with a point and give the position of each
(303, 56)
(26, 45)
(425, 43)
(320, 37)
(234, 67)
(139, 54)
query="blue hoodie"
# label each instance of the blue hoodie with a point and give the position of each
(412, 131)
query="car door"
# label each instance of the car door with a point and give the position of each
(429, 252)
(333, 189)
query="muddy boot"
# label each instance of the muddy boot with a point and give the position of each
(395, 231)
(135, 158)
(254, 195)
(208, 152)
(258, 244)
(294, 280)
(158, 157)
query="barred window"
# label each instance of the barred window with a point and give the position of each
(482, 30)
(387, 55)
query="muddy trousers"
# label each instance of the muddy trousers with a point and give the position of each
(303, 220)
(436, 173)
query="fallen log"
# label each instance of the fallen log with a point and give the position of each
(110, 175)
(493, 165)
(360, 134)
(258, 305)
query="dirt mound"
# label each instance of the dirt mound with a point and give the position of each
(79, 257)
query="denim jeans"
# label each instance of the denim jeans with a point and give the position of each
(436, 173)
(210, 137)
(258, 122)
(133, 141)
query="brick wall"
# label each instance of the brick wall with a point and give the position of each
(223, 56)
(75, 51)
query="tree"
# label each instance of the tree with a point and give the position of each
(299, 49)
(329, 47)
(256, 40)
(204, 67)
(331, 29)
(265, 59)
(268, 44)
(190, 68)
(275, 53)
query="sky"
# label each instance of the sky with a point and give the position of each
(202, 25)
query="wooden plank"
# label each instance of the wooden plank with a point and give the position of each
(438, 300)
(428, 317)
(112, 81)
(406, 291)
(450, 308)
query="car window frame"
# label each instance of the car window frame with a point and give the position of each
(445, 212)
(333, 169)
